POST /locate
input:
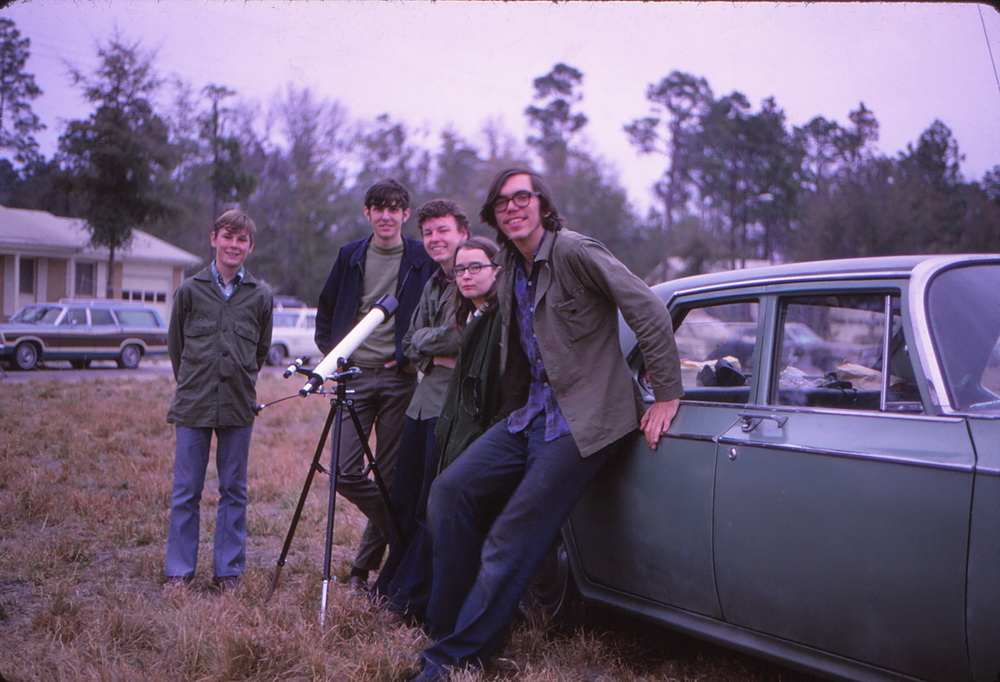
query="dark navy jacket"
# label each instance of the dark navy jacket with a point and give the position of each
(341, 295)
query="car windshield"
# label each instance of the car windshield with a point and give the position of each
(964, 316)
(31, 314)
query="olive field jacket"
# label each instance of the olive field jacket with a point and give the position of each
(581, 288)
(217, 348)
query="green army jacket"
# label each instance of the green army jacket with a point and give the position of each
(432, 332)
(581, 287)
(217, 348)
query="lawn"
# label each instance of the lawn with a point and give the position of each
(85, 471)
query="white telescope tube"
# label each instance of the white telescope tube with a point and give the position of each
(381, 310)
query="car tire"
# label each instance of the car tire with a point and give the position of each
(130, 356)
(26, 356)
(552, 594)
(276, 354)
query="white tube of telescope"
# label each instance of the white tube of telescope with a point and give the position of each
(381, 310)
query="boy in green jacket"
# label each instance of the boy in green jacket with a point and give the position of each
(219, 335)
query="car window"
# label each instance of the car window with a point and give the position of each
(283, 318)
(841, 351)
(76, 317)
(717, 345)
(101, 317)
(137, 318)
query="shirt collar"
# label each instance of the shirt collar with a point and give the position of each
(217, 276)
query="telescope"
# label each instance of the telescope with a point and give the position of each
(380, 311)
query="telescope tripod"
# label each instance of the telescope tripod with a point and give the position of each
(335, 418)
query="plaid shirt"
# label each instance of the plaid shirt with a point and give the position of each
(541, 397)
(226, 289)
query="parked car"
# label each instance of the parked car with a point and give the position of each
(82, 331)
(293, 335)
(844, 521)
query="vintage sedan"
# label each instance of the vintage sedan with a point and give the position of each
(81, 332)
(843, 519)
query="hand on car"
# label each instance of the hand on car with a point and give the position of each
(445, 360)
(656, 420)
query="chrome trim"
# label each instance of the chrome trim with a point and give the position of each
(788, 279)
(700, 437)
(846, 454)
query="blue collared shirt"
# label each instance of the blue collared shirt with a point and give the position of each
(541, 397)
(227, 289)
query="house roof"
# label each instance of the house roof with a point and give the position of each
(40, 233)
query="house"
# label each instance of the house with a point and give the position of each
(46, 258)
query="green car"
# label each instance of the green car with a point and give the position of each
(828, 495)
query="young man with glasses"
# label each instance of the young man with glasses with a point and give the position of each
(384, 263)
(497, 509)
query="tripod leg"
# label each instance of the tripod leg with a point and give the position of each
(313, 468)
(331, 510)
(374, 469)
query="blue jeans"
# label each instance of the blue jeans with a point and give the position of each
(405, 575)
(190, 464)
(492, 515)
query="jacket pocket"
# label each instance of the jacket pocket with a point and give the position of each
(247, 335)
(577, 314)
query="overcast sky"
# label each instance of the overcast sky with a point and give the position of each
(462, 63)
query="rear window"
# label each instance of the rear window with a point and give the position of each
(138, 318)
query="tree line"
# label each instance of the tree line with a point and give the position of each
(738, 183)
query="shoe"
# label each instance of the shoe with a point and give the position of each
(177, 582)
(358, 583)
(227, 584)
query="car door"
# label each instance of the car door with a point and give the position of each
(646, 528)
(842, 509)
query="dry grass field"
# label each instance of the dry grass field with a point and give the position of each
(85, 471)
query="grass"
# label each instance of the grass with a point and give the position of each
(85, 471)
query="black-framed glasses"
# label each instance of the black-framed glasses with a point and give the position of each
(473, 268)
(520, 198)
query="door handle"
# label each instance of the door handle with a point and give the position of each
(749, 422)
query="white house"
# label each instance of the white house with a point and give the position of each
(45, 258)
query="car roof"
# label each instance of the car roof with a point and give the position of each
(841, 268)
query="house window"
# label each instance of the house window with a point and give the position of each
(85, 279)
(27, 284)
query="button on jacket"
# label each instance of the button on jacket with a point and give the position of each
(581, 287)
(217, 348)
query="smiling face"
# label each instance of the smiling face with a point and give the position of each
(441, 236)
(231, 251)
(475, 287)
(387, 223)
(523, 226)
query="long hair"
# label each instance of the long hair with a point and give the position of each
(464, 306)
(551, 220)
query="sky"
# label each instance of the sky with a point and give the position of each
(461, 64)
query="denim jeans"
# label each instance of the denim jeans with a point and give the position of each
(380, 397)
(492, 515)
(190, 464)
(405, 575)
